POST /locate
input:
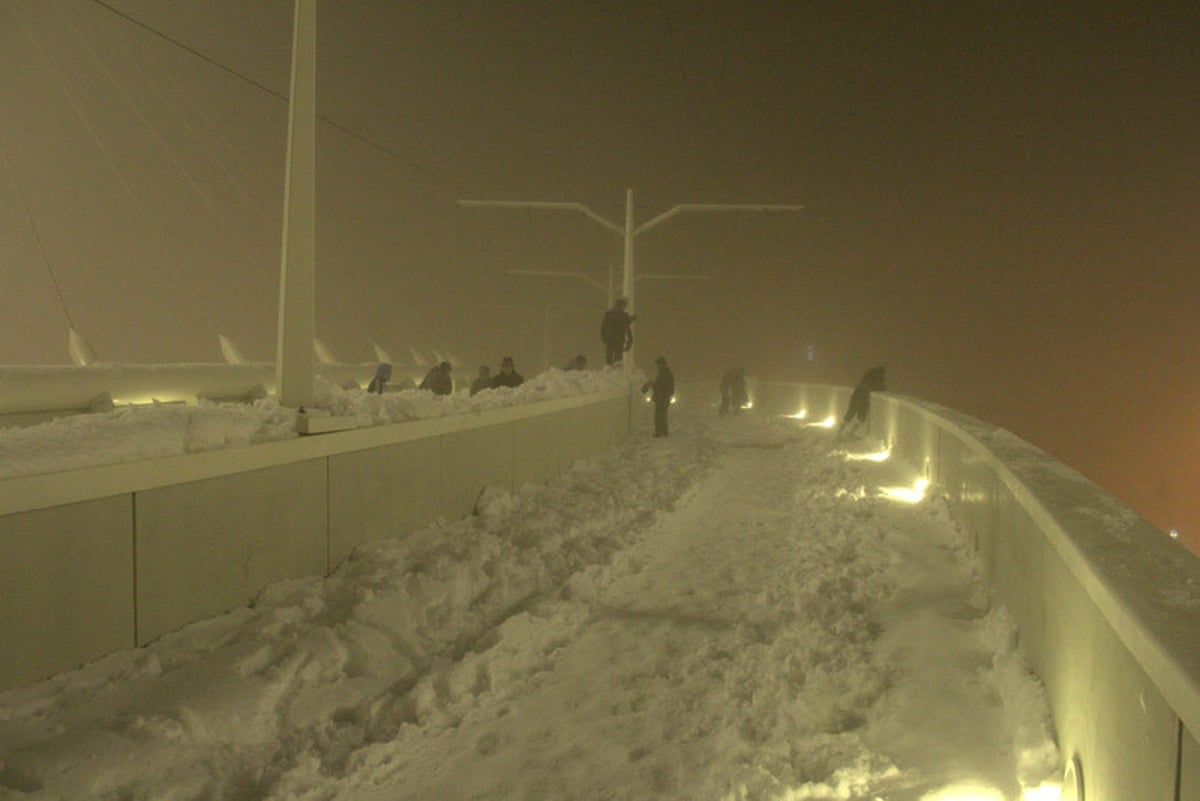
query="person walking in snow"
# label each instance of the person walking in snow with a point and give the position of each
(438, 380)
(733, 390)
(616, 331)
(662, 390)
(874, 380)
(508, 375)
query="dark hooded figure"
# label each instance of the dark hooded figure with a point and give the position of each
(508, 375)
(874, 380)
(662, 390)
(616, 331)
(438, 380)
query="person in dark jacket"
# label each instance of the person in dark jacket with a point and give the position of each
(616, 331)
(733, 390)
(874, 380)
(662, 390)
(383, 374)
(508, 375)
(483, 380)
(438, 380)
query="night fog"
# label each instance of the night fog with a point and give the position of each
(999, 205)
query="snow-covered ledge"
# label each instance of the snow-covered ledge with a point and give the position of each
(108, 556)
(1108, 606)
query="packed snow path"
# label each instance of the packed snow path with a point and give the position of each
(742, 611)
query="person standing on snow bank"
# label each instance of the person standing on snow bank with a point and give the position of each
(438, 380)
(483, 380)
(874, 380)
(616, 331)
(508, 375)
(383, 374)
(663, 387)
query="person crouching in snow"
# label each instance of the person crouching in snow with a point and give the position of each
(873, 380)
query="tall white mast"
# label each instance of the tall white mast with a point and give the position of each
(294, 361)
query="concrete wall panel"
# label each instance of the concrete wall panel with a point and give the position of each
(536, 450)
(472, 460)
(209, 546)
(382, 492)
(66, 587)
(1189, 764)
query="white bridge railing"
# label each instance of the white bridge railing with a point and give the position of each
(1107, 606)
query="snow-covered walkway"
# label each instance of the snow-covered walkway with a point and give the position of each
(743, 611)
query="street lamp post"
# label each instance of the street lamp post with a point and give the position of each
(629, 230)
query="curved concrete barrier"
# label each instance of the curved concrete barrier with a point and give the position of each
(1108, 606)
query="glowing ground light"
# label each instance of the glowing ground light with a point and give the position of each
(1050, 791)
(913, 494)
(974, 791)
(1173, 534)
(800, 415)
(969, 791)
(877, 456)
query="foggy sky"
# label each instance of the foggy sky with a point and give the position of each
(1001, 200)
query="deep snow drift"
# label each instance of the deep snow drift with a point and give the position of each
(747, 610)
(164, 429)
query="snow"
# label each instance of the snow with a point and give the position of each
(741, 611)
(154, 430)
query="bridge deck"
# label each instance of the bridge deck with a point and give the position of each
(745, 610)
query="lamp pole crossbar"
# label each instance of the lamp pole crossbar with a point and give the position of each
(628, 231)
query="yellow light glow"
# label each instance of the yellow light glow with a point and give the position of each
(1048, 791)
(877, 456)
(913, 494)
(828, 422)
(748, 405)
(148, 400)
(970, 791)
(800, 415)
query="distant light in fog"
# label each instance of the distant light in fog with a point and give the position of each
(1173, 534)
(800, 415)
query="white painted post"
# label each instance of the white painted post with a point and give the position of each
(627, 360)
(294, 360)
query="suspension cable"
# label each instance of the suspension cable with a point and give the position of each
(37, 236)
(278, 96)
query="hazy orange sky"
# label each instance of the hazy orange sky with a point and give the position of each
(1001, 199)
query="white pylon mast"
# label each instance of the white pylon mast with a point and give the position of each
(297, 328)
